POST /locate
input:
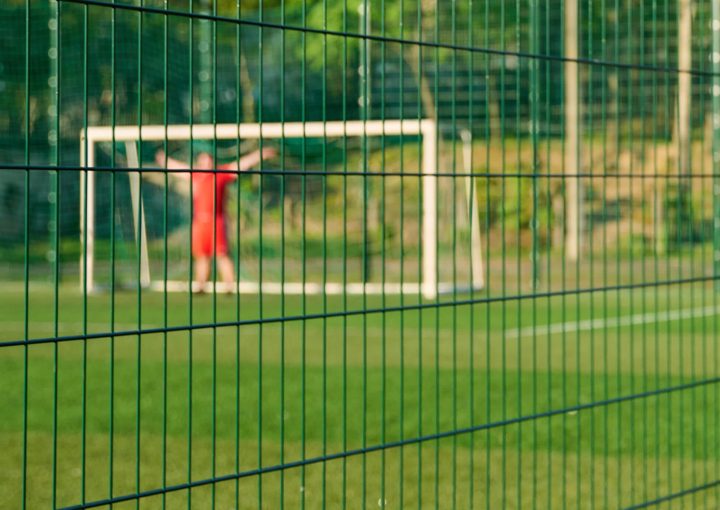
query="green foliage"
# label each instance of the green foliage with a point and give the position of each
(684, 217)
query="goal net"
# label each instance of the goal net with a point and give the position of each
(354, 207)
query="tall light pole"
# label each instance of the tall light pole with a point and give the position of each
(53, 120)
(573, 195)
(684, 86)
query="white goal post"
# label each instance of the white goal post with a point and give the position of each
(130, 135)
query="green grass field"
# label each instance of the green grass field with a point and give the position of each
(229, 399)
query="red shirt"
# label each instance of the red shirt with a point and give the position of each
(205, 198)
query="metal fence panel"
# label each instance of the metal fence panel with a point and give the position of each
(392, 253)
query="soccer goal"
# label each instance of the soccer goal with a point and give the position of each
(432, 275)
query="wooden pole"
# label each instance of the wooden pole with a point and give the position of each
(573, 165)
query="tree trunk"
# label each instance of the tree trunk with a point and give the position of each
(682, 126)
(248, 100)
(412, 57)
(659, 194)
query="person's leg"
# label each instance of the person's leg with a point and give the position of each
(224, 264)
(227, 271)
(202, 233)
(202, 272)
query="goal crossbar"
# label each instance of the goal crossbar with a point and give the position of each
(426, 128)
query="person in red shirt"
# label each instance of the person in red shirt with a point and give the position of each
(209, 183)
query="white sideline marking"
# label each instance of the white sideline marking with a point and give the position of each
(104, 326)
(612, 322)
(308, 288)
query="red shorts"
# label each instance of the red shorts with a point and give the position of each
(204, 243)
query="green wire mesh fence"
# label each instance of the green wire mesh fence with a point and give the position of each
(359, 253)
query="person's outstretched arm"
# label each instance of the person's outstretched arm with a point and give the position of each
(164, 161)
(250, 160)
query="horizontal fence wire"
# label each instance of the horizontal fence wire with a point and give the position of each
(353, 313)
(677, 495)
(380, 173)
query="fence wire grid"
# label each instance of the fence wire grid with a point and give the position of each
(359, 253)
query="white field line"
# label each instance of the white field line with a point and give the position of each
(308, 288)
(612, 322)
(73, 326)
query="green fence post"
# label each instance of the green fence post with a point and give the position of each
(716, 136)
(365, 22)
(534, 113)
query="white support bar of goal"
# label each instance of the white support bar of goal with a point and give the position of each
(430, 287)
